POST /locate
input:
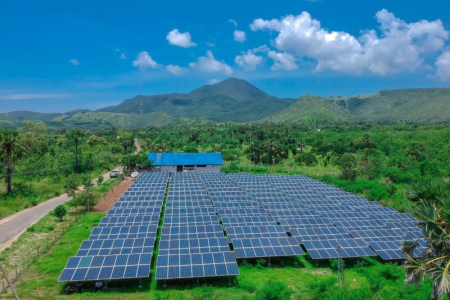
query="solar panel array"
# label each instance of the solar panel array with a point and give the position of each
(121, 246)
(247, 224)
(322, 217)
(192, 241)
(259, 215)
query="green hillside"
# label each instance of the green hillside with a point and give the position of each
(412, 105)
(313, 109)
(117, 120)
(232, 100)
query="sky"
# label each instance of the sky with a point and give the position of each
(56, 56)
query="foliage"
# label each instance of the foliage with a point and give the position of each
(432, 207)
(274, 290)
(59, 212)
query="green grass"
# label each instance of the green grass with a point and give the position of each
(32, 193)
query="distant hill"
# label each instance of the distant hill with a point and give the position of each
(236, 100)
(387, 106)
(309, 109)
(232, 100)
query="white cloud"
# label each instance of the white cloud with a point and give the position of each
(233, 22)
(21, 96)
(282, 61)
(179, 39)
(239, 36)
(213, 81)
(122, 56)
(249, 61)
(209, 64)
(443, 66)
(117, 50)
(400, 47)
(210, 44)
(74, 62)
(144, 60)
(174, 69)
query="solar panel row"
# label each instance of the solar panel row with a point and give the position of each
(192, 240)
(122, 245)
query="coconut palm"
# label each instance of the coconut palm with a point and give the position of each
(9, 151)
(431, 205)
(76, 134)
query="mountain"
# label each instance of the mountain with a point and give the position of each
(236, 100)
(309, 108)
(232, 100)
(386, 106)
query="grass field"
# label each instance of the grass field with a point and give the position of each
(295, 277)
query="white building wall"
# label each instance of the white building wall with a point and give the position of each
(208, 169)
(168, 168)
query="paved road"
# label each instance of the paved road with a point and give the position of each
(25, 218)
(12, 226)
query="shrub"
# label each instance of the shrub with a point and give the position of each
(274, 290)
(59, 212)
(306, 158)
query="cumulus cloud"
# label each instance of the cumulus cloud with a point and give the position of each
(174, 69)
(209, 64)
(400, 47)
(239, 36)
(179, 39)
(144, 60)
(74, 62)
(443, 66)
(233, 22)
(248, 60)
(123, 56)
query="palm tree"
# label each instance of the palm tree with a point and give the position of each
(76, 134)
(431, 205)
(9, 151)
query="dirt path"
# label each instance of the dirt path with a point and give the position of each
(138, 147)
(113, 196)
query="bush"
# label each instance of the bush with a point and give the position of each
(334, 264)
(274, 290)
(306, 158)
(59, 212)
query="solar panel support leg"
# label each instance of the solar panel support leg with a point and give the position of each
(140, 283)
(269, 264)
(164, 285)
(106, 285)
(198, 282)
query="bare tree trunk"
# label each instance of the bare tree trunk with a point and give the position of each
(8, 178)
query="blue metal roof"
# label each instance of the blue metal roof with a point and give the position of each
(184, 159)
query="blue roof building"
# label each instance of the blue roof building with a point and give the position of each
(184, 162)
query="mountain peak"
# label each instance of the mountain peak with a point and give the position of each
(238, 89)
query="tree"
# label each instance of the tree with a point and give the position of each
(76, 135)
(195, 137)
(33, 137)
(59, 212)
(348, 166)
(431, 205)
(9, 151)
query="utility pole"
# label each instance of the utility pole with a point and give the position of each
(9, 282)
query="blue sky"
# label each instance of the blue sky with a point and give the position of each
(60, 55)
